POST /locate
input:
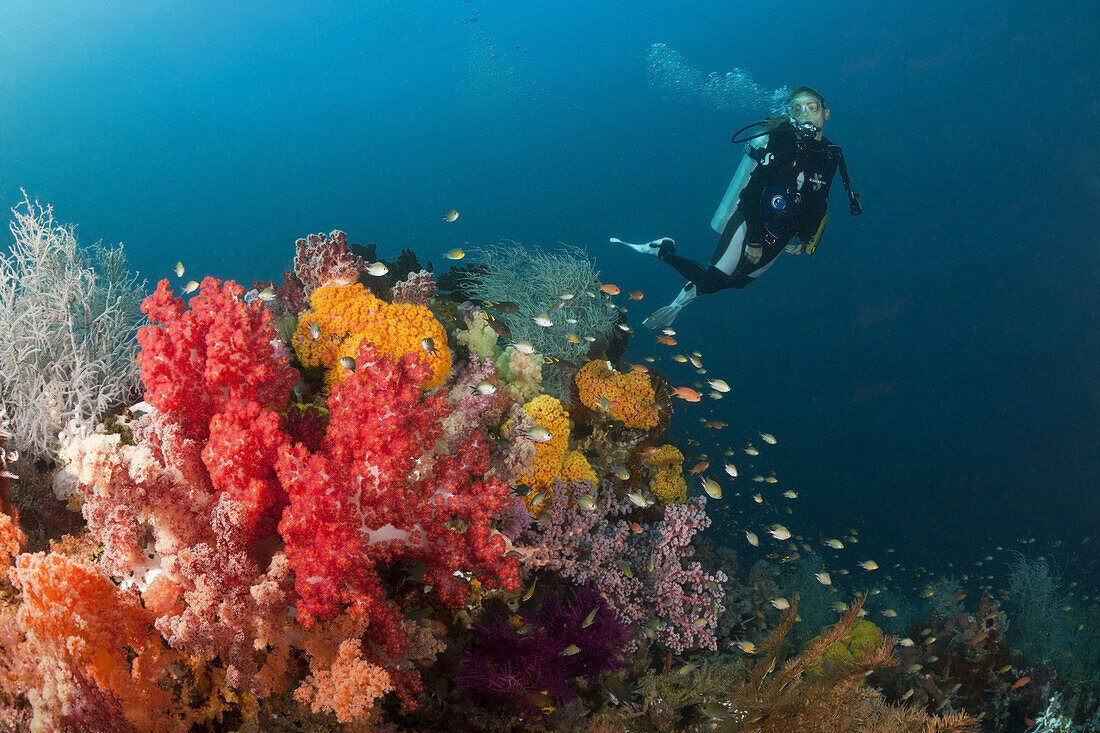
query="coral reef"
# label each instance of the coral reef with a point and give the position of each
(313, 522)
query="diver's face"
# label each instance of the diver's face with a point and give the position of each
(806, 108)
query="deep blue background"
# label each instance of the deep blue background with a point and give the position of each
(931, 373)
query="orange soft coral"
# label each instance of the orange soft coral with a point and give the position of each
(347, 314)
(11, 539)
(349, 687)
(84, 630)
(626, 396)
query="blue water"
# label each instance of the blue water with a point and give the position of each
(930, 373)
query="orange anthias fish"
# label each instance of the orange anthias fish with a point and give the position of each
(666, 340)
(699, 467)
(687, 394)
(636, 295)
(610, 289)
(1019, 683)
(714, 424)
(639, 368)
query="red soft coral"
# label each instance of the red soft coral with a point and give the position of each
(372, 496)
(245, 441)
(194, 359)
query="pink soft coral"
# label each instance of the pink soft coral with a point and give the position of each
(324, 259)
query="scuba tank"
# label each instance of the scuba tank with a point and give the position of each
(744, 170)
(737, 184)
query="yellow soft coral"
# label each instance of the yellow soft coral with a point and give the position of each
(549, 413)
(575, 467)
(628, 396)
(862, 636)
(347, 314)
(667, 475)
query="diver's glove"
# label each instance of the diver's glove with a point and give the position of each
(753, 253)
(796, 249)
(663, 317)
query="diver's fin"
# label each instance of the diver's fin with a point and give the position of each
(663, 317)
(648, 248)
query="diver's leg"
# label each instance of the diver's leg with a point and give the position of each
(690, 269)
(727, 255)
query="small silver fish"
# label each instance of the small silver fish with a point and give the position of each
(539, 434)
(713, 489)
(267, 294)
(586, 502)
(523, 347)
(315, 329)
(191, 287)
(780, 532)
(348, 363)
(486, 388)
(378, 269)
(450, 216)
(589, 618)
(570, 650)
(637, 499)
(179, 269)
(428, 345)
(542, 320)
(455, 254)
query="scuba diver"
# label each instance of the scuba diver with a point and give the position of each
(780, 191)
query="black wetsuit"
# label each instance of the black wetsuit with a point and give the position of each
(787, 194)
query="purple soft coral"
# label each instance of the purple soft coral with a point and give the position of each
(506, 667)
